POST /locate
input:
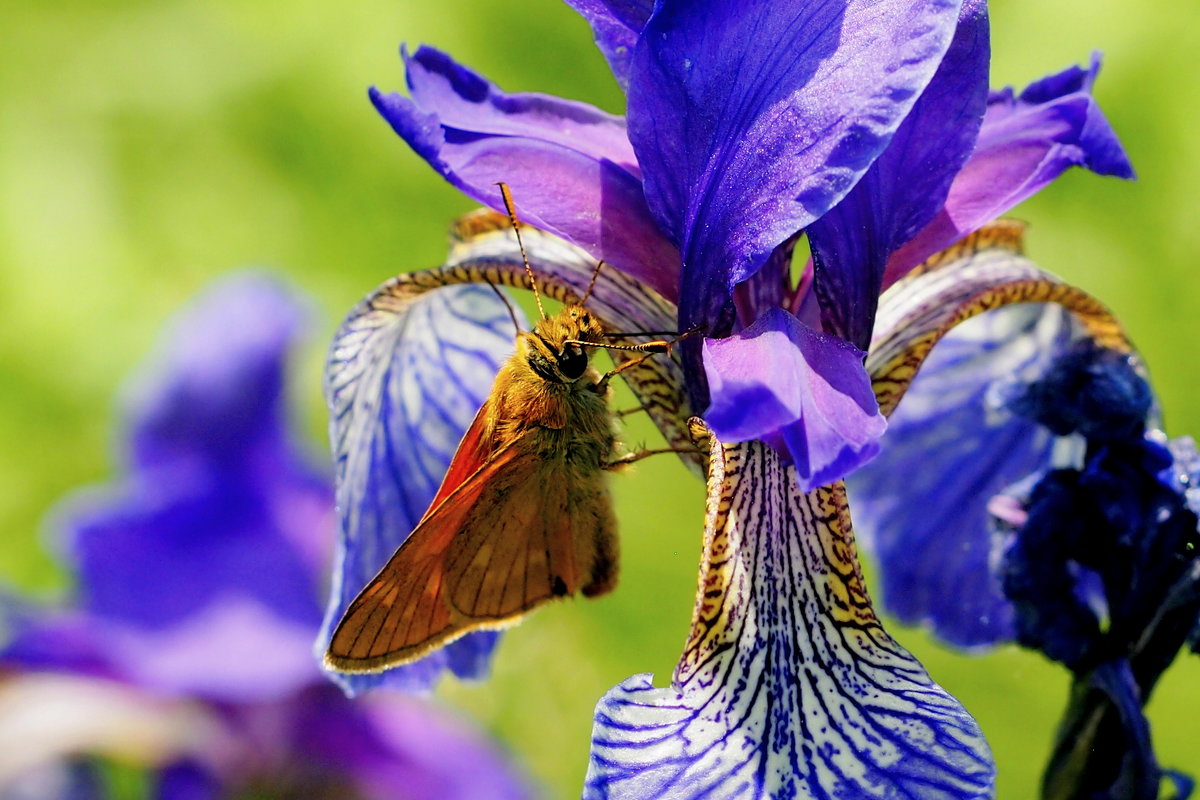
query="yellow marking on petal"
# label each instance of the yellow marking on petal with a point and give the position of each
(983, 272)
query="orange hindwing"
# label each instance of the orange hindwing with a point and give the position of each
(521, 530)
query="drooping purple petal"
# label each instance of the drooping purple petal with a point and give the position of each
(782, 381)
(407, 372)
(905, 187)
(1025, 143)
(954, 443)
(391, 745)
(751, 119)
(570, 166)
(615, 25)
(788, 685)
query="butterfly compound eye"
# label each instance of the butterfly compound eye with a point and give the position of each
(572, 362)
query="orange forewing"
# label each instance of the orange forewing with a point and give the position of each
(494, 548)
(467, 460)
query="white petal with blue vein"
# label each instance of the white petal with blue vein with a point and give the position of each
(789, 687)
(408, 370)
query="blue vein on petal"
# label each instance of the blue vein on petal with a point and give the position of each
(779, 691)
(402, 373)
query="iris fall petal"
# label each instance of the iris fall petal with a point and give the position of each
(220, 528)
(952, 443)
(788, 686)
(407, 373)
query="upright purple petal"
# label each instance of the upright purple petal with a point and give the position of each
(751, 118)
(408, 370)
(1025, 143)
(905, 187)
(570, 166)
(615, 25)
(213, 390)
(804, 390)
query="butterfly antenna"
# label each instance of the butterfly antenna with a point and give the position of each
(591, 284)
(511, 311)
(516, 226)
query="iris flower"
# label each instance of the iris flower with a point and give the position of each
(187, 648)
(867, 127)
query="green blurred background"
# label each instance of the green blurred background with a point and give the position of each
(148, 147)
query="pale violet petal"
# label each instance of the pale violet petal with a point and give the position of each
(953, 441)
(952, 445)
(408, 370)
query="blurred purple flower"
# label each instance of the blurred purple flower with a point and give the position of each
(199, 575)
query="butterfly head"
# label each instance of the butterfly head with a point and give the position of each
(554, 351)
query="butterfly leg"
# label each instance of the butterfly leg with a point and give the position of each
(626, 460)
(602, 384)
(628, 412)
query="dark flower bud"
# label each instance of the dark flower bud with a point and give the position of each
(1091, 390)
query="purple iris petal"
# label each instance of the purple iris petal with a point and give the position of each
(212, 546)
(212, 391)
(905, 187)
(186, 780)
(788, 686)
(1025, 143)
(196, 585)
(390, 745)
(570, 166)
(921, 505)
(406, 375)
(782, 381)
(768, 288)
(616, 25)
(751, 118)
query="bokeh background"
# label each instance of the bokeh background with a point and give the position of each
(147, 147)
